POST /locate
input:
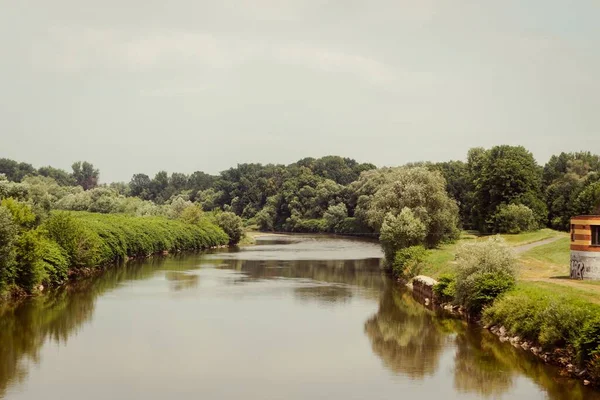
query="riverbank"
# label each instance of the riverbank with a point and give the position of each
(69, 245)
(558, 329)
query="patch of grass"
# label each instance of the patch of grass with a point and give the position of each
(531, 237)
(440, 261)
(550, 315)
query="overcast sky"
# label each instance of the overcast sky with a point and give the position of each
(144, 85)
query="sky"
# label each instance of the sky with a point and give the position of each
(184, 85)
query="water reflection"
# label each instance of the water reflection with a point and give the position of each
(413, 343)
(410, 340)
(407, 337)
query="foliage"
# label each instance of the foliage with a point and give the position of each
(485, 269)
(92, 240)
(334, 215)
(231, 224)
(514, 218)
(549, 318)
(85, 175)
(445, 290)
(496, 167)
(404, 230)
(8, 237)
(22, 213)
(30, 271)
(408, 262)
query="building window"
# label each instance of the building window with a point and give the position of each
(596, 235)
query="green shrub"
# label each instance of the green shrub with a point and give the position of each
(352, 225)
(540, 315)
(22, 213)
(54, 260)
(231, 224)
(484, 271)
(30, 270)
(514, 218)
(8, 237)
(408, 262)
(81, 244)
(445, 290)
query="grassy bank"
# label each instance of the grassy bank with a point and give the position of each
(545, 308)
(441, 260)
(67, 243)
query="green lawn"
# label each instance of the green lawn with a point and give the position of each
(557, 253)
(440, 261)
(531, 237)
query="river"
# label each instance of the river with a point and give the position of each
(294, 317)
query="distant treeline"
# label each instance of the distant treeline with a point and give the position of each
(329, 193)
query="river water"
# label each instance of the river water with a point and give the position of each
(294, 317)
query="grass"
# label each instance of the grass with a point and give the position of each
(440, 261)
(531, 237)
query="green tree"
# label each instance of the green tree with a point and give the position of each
(85, 174)
(15, 171)
(507, 174)
(231, 224)
(8, 238)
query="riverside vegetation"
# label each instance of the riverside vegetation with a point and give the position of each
(54, 223)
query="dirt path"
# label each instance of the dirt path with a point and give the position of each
(526, 247)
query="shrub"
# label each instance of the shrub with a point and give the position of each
(30, 270)
(231, 224)
(445, 290)
(54, 260)
(404, 230)
(514, 218)
(334, 215)
(408, 262)
(8, 237)
(22, 213)
(484, 271)
(81, 244)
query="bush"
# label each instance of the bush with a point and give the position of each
(80, 243)
(398, 232)
(8, 237)
(30, 270)
(542, 316)
(408, 262)
(445, 290)
(484, 271)
(231, 224)
(514, 218)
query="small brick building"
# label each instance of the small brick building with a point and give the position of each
(585, 247)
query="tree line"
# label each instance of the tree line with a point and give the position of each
(498, 190)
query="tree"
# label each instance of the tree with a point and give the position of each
(61, 176)
(8, 238)
(231, 224)
(401, 231)
(507, 174)
(85, 175)
(484, 271)
(423, 192)
(335, 214)
(141, 186)
(15, 171)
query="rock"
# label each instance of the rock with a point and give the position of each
(502, 331)
(586, 382)
(525, 346)
(41, 288)
(426, 301)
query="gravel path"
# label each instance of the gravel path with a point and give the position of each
(526, 247)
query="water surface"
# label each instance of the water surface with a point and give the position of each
(291, 318)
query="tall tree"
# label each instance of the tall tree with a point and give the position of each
(85, 174)
(507, 174)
